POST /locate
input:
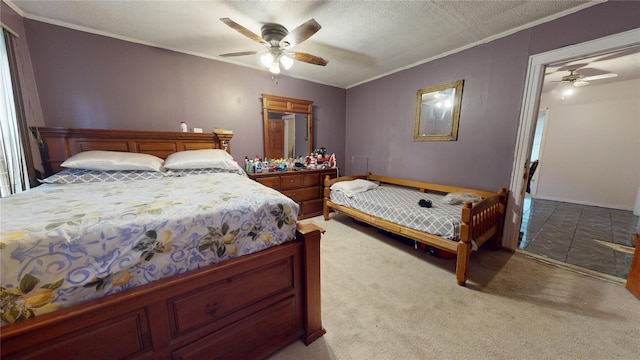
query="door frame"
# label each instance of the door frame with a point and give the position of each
(529, 115)
(534, 178)
(289, 130)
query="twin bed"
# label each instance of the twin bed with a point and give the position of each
(190, 262)
(453, 219)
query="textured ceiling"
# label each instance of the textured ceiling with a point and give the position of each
(361, 40)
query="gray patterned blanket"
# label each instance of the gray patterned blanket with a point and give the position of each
(400, 205)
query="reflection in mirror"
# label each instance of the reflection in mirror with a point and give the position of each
(287, 135)
(288, 125)
(438, 112)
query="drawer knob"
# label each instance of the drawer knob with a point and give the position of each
(212, 308)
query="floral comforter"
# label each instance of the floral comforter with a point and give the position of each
(65, 244)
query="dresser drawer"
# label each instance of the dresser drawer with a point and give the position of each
(291, 182)
(303, 194)
(206, 305)
(270, 181)
(311, 207)
(300, 180)
(304, 187)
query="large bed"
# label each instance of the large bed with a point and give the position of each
(184, 263)
(448, 222)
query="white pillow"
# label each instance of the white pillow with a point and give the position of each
(113, 160)
(456, 198)
(353, 187)
(201, 159)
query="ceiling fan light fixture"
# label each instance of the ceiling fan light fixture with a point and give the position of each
(275, 68)
(276, 38)
(566, 92)
(286, 61)
(579, 83)
(272, 62)
(267, 60)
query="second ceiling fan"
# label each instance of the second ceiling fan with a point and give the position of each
(279, 41)
(578, 80)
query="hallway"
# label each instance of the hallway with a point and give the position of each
(590, 237)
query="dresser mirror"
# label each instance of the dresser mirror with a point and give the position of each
(288, 127)
(438, 112)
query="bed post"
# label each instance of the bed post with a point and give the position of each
(224, 141)
(464, 245)
(496, 241)
(312, 316)
(326, 192)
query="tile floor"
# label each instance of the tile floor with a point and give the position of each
(568, 232)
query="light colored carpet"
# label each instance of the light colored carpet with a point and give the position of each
(382, 299)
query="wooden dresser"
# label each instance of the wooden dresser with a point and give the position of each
(303, 186)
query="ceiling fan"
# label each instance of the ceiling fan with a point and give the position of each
(578, 80)
(278, 41)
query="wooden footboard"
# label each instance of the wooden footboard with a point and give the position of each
(247, 307)
(480, 222)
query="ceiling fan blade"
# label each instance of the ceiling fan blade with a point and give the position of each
(300, 34)
(572, 67)
(308, 58)
(241, 53)
(244, 31)
(599, 77)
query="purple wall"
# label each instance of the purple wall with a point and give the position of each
(91, 81)
(381, 113)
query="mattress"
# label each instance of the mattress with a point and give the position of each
(62, 244)
(400, 205)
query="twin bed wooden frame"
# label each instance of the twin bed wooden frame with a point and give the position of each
(480, 222)
(247, 307)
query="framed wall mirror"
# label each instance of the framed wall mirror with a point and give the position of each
(438, 112)
(288, 127)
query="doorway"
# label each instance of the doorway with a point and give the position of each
(276, 139)
(519, 200)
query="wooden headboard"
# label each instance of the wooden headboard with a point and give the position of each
(61, 143)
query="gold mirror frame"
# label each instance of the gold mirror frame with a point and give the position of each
(430, 104)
